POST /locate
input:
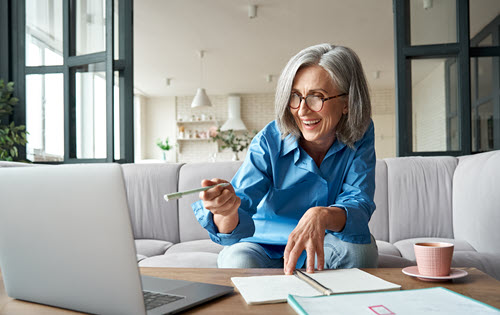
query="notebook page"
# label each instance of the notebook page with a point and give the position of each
(351, 281)
(271, 289)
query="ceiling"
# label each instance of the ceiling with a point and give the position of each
(240, 53)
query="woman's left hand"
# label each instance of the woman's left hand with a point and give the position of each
(309, 234)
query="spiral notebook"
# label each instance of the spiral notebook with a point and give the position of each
(275, 289)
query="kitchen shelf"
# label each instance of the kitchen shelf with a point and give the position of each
(194, 122)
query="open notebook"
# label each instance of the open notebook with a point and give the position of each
(275, 289)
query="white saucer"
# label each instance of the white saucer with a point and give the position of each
(454, 274)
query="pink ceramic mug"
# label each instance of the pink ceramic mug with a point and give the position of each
(434, 259)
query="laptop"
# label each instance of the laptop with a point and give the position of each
(66, 240)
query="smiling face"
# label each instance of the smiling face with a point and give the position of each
(318, 128)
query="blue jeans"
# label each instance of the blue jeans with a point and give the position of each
(338, 254)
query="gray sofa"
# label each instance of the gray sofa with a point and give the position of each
(442, 198)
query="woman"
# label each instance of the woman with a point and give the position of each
(304, 194)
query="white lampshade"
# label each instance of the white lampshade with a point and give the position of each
(201, 99)
(234, 121)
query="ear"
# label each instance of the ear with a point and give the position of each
(345, 110)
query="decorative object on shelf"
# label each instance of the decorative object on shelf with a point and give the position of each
(181, 132)
(230, 139)
(11, 136)
(201, 98)
(165, 147)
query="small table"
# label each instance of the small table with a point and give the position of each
(476, 285)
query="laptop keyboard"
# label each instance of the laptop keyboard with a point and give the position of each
(155, 299)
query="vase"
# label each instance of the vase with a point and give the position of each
(165, 156)
(235, 156)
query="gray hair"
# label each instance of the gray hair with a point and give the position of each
(347, 74)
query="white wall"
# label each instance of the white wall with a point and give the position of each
(158, 122)
(384, 119)
(429, 111)
(257, 110)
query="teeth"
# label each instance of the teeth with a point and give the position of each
(311, 122)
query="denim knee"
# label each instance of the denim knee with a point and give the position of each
(245, 255)
(340, 254)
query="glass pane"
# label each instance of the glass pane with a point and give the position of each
(484, 76)
(45, 117)
(433, 22)
(90, 26)
(487, 41)
(481, 13)
(116, 115)
(482, 131)
(44, 33)
(116, 30)
(453, 89)
(90, 111)
(431, 118)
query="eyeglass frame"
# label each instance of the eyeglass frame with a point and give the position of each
(323, 100)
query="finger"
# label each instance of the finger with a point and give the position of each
(225, 202)
(206, 182)
(320, 255)
(292, 259)
(286, 254)
(311, 255)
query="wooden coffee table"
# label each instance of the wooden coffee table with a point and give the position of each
(476, 285)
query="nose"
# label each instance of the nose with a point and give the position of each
(303, 108)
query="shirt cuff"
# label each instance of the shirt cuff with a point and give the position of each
(353, 231)
(245, 227)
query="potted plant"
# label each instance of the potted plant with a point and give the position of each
(11, 136)
(230, 139)
(164, 146)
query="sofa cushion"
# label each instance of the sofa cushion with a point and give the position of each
(406, 246)
(387, 248)
(190, 177)
(151, 216)
(182, 260)
(196, 246)
(476, 200)
(419, 198)
(148, 248)
(390, 261)
(488, 263)
(379, 222)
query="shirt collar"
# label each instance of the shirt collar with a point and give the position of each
(290, 143)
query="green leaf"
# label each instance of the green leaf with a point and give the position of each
(13, 101)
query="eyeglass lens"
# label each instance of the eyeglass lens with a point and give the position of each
(314, 102)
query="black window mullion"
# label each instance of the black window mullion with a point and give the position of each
(75, 61)
(126, 81)
(403, 78)
(463, 71)
(44, 69)
(18, 60)
(424, 51)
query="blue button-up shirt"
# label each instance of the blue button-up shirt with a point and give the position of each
(278, 182)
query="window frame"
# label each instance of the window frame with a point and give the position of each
(405, 52)
(123, 66)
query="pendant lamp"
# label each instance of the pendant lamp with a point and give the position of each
(201, 98)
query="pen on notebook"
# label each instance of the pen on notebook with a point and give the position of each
(315, 284)
(178, 195)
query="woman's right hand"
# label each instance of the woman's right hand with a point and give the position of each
(223, 203)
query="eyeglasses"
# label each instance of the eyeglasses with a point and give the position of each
(314, 102)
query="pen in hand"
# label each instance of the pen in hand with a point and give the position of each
(178, 195)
